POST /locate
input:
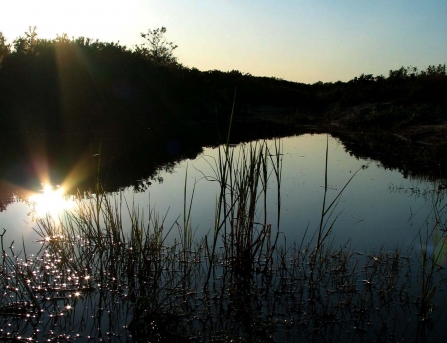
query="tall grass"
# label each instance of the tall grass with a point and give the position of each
(100, 277)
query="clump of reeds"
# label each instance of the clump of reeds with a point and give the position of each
(100, 277)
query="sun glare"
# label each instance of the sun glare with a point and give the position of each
(50, 201)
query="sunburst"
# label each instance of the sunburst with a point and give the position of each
(51, 201)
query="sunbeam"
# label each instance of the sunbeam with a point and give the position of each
(50, 201)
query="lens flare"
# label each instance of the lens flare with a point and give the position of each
(50, 202)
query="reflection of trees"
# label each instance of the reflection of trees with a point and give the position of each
(418, 161)
(102, 275)
(127, 159)
(10, 193)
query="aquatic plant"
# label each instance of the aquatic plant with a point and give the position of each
(108, 270)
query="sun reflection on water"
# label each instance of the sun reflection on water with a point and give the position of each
(51, 201)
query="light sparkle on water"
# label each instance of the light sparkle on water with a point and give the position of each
(52, 201)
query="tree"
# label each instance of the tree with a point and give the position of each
(26, 44)
(5, 48)
(156, 47)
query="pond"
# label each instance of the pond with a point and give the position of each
(372, 210)
(378, 208)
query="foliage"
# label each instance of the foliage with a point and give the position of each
(60, 81)
(5, 48)
(108, 274)
(156, 47)
(27, 44)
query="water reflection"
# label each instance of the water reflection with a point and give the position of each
(125, 159)
(51, 201)
(121, 278)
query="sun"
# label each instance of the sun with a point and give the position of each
(51, 201)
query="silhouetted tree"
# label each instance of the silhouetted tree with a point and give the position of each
(156, 47)
(26, 45)
(5, 48)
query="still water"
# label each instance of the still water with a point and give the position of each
(375, 209)
(379, 208)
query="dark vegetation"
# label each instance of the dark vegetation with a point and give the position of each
(68, 85)
(100, 276)
(97, 278)
(60, 98)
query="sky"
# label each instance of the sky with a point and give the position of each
(297, 40)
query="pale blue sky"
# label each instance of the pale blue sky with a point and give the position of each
(304, 41)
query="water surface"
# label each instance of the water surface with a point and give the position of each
(378, 208)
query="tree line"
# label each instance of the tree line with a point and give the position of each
(80, 84)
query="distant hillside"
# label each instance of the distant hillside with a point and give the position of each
(82, 85)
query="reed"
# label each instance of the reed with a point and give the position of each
(100, 277)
